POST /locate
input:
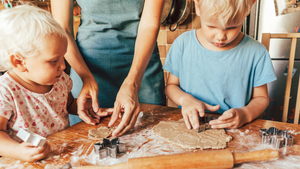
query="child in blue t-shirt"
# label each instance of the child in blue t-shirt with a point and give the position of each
(219, 69)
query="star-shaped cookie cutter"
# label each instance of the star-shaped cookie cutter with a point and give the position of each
(276, 138)
(109, 148)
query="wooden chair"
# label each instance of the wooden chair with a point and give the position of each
(266, 42)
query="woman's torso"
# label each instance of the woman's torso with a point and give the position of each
(109, 26)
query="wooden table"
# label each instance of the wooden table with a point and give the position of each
(72, 144)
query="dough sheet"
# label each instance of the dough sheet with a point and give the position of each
(177, 132)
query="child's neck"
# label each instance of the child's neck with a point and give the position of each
(29, 85)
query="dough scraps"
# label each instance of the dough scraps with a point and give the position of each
(176, 132)
(100, 133)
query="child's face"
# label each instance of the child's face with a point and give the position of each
(48, 64)
(216, 34)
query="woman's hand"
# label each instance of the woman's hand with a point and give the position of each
(28, 152)
(88, 106)
(88, 99)
(127, 102)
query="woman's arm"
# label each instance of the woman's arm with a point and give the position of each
(127, 97)
(62, 12)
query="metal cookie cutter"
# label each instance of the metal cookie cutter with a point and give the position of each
(31, 137)
(202, 123)
(109, 148)
(277, 138)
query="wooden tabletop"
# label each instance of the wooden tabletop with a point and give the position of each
(72, 144)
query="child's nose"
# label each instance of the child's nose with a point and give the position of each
(62, 66)
(221, 36)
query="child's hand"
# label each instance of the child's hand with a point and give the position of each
(192, 108)
(232, 118)
(31, 153)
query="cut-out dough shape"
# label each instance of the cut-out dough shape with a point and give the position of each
(176, 132)
(100, 133)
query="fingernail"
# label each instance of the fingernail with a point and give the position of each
(113, 134)
(96, 109)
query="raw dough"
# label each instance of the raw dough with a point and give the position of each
(100, 133)
(176, 132)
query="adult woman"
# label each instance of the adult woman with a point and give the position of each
(114, 45)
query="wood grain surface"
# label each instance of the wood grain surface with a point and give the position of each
(72, 144)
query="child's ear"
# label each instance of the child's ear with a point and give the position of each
(17, 62)
(197, 10)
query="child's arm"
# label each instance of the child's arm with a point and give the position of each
(236, 117)
(191, 107)
(21, 151)
(72, 109)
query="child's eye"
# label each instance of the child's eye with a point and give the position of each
(55, 61)
(230, 28)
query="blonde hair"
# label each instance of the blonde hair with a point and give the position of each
(22, 31)
(226, 11)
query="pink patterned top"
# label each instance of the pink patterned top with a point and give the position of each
(43, 114)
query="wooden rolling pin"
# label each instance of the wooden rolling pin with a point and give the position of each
(206, 159)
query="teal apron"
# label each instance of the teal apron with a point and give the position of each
(106, 39)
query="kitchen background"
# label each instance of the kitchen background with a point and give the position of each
(279, 16)
(266, 16)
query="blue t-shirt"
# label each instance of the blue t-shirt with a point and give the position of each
(226, 77)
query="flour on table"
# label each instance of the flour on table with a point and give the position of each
(176, 132)
(100, 133)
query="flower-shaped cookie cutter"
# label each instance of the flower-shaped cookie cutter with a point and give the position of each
(276, 138)
(109, 148)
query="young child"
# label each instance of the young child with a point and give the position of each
(219, 69)
(35, 91)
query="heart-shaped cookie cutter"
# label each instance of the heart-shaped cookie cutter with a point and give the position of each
(276, 138)
(109, 148)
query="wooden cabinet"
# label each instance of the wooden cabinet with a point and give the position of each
(1, 6)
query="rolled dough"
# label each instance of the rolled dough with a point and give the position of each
(176, 132)
(100, 133)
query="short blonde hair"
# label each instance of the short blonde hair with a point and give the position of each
(226, 11)
(22, 31)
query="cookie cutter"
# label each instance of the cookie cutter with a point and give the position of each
(109, 148)
(31, 137)
(276, 138)
(202, 123)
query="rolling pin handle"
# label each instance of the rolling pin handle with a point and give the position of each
(260, 155)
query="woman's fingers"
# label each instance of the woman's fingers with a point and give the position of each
(125, 123)
(115, 115)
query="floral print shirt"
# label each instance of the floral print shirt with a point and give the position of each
(43, 114)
